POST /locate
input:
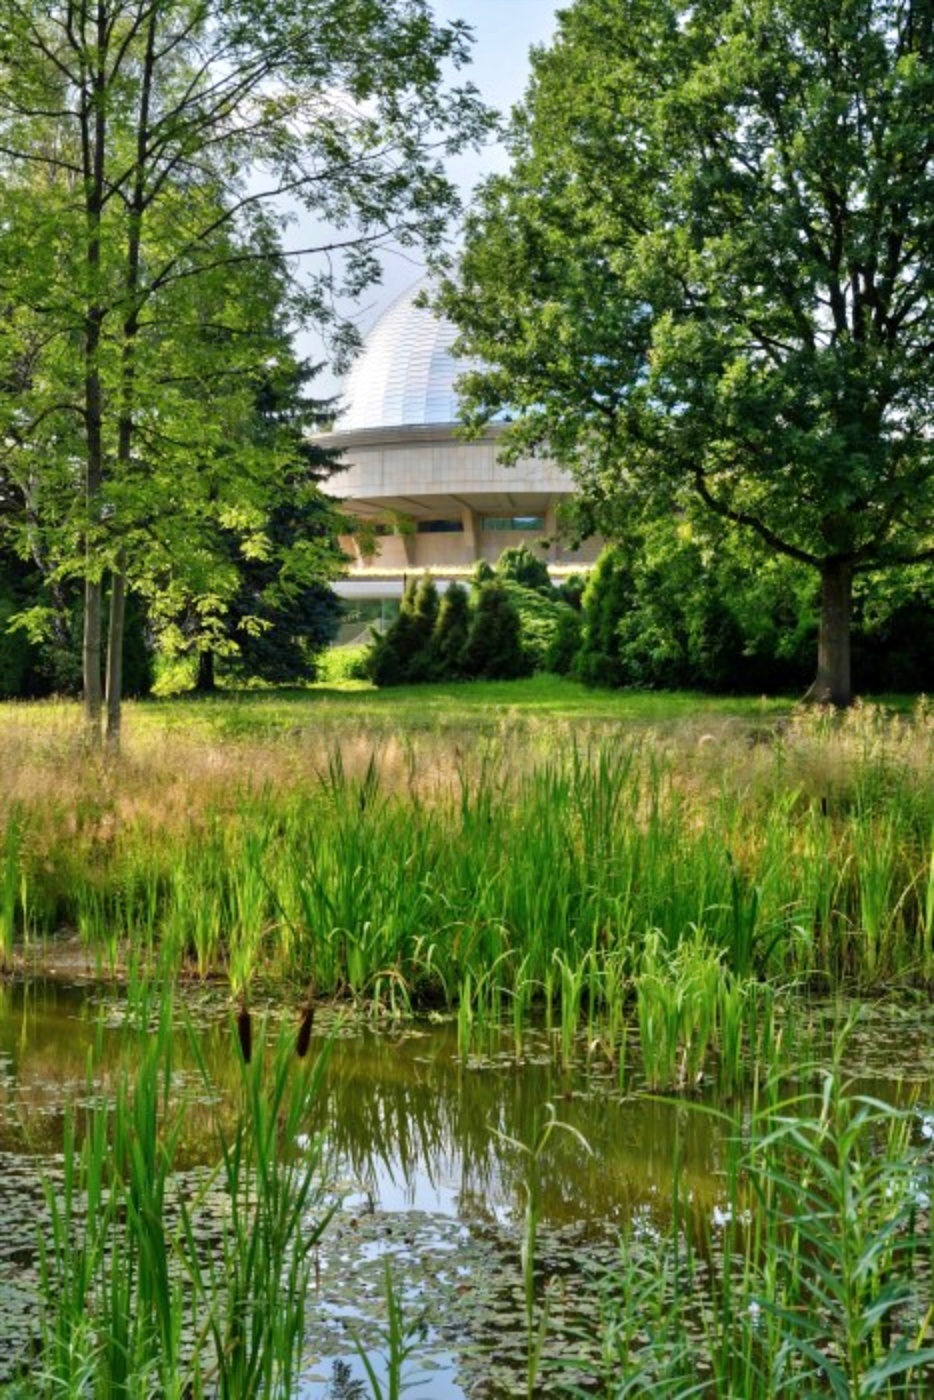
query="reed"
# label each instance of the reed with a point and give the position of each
(12, 887)
(817, 1265)
(146, 1286)
(387, 1376)
(392, 869)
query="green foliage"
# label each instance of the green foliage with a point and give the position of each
(132, 1299)
(605, 601)
(283, 612)
(894, 639)
(707, 275)
(701, 613)
(519, 565)
(145, 291)
(459, 637)
(39, 626)
(820, 1270)
(405, 653)
(338, 665)
(682, 604)
(17, 654)
(540, 617)
(572, 589)
(451, 630)
(494, 642)
(565, 643)
(780, 842)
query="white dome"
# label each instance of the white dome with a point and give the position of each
(405, 373)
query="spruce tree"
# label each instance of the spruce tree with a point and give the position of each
(494, 643)
(606, 599)
(451, 631)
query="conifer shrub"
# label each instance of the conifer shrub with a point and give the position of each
(423, 662)
(572, 590)
(606, 598)
(451, 631)
(540, 616)
(519, 565)
(565, 642)
(392, 656)
(494, 643)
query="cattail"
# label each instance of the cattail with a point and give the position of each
(303, 1039)
(245, 1032)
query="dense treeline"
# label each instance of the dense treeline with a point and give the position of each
(668, 606)
(671, 606)
(507, 626)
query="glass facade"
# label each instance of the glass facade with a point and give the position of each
(521, 524)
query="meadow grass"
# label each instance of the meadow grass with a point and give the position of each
(617, 860)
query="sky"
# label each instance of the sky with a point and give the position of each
(504, 31)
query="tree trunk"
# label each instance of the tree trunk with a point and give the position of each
(93, 126)
(206, 684)
(832, 685)
(128, 386)
(91, 660)
(115, 633)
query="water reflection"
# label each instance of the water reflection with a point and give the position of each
(425, 1158)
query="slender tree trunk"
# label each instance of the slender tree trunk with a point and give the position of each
(91, 660)
(115, 632)
(832, 685)
(117, 627)
(93, 138)
(206, 683)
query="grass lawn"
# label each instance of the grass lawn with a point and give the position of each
(330, 705)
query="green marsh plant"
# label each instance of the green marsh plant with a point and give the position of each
(816, 1265)
(536, 1301)
(403, 1336)
(158, 1283)
(12, 886)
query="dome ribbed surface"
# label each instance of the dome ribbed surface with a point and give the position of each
(404, 375)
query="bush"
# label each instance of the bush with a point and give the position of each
(606, 599)
(451, 631)
(565, 643)
(494, 643)
(395, 654)
(519, 565)
(572, 590)
(675, 607)
(539, 619)
(679, 604)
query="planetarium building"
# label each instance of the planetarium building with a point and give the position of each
(435, 501)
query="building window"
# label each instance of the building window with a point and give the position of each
(440, 527)
(520, 523)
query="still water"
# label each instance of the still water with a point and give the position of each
(426, 1161)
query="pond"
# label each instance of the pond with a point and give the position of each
(427, 1168)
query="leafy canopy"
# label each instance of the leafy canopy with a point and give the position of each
(709, 269)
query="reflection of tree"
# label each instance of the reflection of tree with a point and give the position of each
(394, 1107)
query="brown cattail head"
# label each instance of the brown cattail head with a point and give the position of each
(245, 1033)
(303, 1039)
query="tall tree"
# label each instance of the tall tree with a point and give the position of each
(281, 612)
(709, 273)
(146, 149)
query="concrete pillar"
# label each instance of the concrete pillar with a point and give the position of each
(551, 530)
(471, 523)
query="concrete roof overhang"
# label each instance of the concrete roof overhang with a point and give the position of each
(402, 458)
